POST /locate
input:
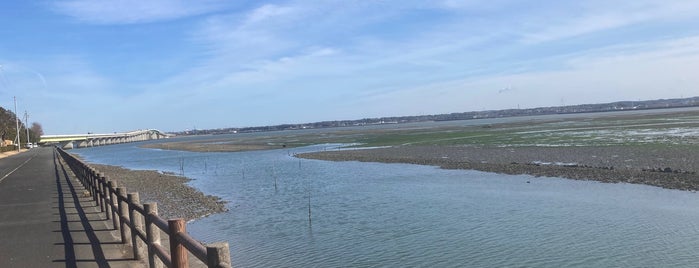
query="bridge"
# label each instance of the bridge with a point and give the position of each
(90, 140)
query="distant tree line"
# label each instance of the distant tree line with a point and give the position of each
(8, 128)
(582, 108)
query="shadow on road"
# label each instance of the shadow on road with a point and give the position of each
(77, 215)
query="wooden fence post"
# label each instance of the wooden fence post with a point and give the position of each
(111, 186)
(93, 186)
(98, 189)
(108, 185)
(123, 216)
(152, 234)
(136, 226)
(218, 255)
(178, 253)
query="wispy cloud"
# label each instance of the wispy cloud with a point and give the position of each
(595, 16)
(289, 52)
(59, 85)
(610, 74)
(134, 11)
(285, 61)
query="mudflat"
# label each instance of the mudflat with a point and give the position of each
(656, 148)
(175, 198)
(668, 167)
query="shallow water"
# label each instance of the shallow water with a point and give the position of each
(399, 215)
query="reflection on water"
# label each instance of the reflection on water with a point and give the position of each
(398, 215)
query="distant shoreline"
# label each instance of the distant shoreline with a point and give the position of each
(620, 106)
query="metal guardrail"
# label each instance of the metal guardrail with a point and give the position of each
(128, 215)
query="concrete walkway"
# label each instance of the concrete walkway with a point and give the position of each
(46, 221)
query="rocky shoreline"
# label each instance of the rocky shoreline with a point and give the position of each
(175, 198)
(671, 167)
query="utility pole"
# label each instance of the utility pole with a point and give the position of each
(17, 122)
(26, 124)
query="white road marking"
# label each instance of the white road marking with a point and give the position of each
(25, 162)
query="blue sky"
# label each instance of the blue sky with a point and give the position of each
(82, 66)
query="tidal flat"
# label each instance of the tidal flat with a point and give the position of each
(370, 214)
(174, 197)
(653, 147)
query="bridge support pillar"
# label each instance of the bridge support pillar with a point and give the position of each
(82, 144)
(67, 145)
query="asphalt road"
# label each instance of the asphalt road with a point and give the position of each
(27, 207)
(45, 221)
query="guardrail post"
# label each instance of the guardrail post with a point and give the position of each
(218, 255)
(109, 188)
(93, 186)
(178, 253)
(102, 195)
(123, 215)
(152, 234)
(136, 226)
(105, 199)
(98, 189)
(82, 173)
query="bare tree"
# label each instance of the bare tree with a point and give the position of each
(36, 131)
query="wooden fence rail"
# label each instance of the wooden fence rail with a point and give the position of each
(140, 226)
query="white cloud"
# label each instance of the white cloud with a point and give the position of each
(272, 62)
(280, 52)
(596, 16)
(134, 11)
(62, 92)
(477, 5)
(266, 12)
(653, 70)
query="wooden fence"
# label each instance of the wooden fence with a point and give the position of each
(128, 216)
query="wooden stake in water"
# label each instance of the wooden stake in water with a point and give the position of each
(181, 166)
(309, 202)
(308, 190)
(242, 168)
(274, 175)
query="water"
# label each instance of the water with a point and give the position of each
(399, 215)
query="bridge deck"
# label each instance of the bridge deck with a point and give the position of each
(92, 136)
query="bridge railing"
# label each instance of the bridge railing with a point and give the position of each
(128, 215)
